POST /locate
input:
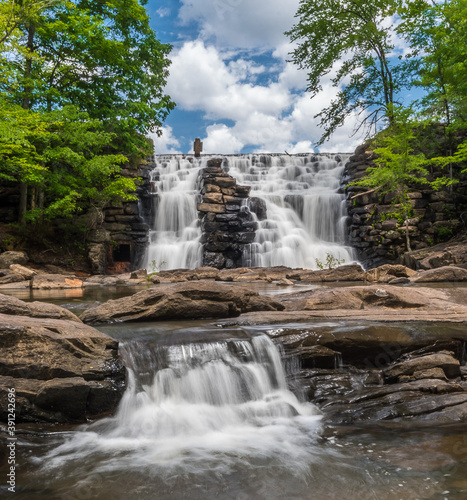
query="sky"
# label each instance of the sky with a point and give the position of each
(231, 81)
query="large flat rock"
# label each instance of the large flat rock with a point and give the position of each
(190, 300)
(61, 369)
(16, 307)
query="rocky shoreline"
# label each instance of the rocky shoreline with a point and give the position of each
(64, 370)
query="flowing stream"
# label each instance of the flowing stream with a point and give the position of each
(208, 414)
(304, 219)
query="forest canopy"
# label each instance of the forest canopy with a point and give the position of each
(81, 84)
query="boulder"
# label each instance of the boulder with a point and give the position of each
(389, 272)
(10, 257)
(23, 271)
(52, 281)
(441, 274)
(16, 307)
(61, 369)
(10, 277)
(284, 282)
(139, 274)
(443, 360)
(190, 300)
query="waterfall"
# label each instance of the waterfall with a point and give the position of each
(306, 214)
(174, 238)
(199, 407)
(302, 218)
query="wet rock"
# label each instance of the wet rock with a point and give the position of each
(61, 369)
(425, 400)
(16, 307)
(442, 360)
(191, 300)
(441, 274)
(52, 281)
(10, 257)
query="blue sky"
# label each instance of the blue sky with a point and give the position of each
(232, 83)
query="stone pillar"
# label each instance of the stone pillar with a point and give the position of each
(226, 221)
(198, 147)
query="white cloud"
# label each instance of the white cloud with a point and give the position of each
(245, 24)
(201, 80)
(167, 143)
(221, 139)
(163, 12)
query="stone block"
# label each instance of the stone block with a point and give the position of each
(211, 207)
(213, 197)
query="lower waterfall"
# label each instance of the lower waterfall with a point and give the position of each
(304, 219)
(198, 408)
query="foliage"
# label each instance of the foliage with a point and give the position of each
(330, 263)
(61, 155)
(352, 40)
(81, 83)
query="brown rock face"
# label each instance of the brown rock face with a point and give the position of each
(191, 300)
(61, 369)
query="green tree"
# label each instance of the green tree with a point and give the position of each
(60, 156)
(353, 41)
(103, 59)
(398, 169)
(437, 34)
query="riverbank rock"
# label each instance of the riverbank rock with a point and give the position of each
(54, 281)
(11, 257)
(440, 274)
(378, 375)
(16, 307)
(191, 300)
(61, 369)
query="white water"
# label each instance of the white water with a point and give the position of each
(196, 408)
(305, 212)
(175, 234)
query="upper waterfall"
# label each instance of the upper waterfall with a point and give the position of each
(301, 221)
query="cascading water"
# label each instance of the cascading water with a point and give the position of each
(305, 213)
(304, 218)
(215, 408)
(175, 233)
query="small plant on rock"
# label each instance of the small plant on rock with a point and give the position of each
(330, 263)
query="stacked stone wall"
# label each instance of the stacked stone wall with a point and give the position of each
(378, 235)
(120, 242)
(227, 224)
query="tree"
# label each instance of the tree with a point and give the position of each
(101, 58)
(60, 156)
(398, 169)
(437, 34)
(358, 36)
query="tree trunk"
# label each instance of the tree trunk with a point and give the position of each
(23, 201)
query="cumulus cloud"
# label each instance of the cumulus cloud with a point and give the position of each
(167, 143)
(201, 80)
(241, 24)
